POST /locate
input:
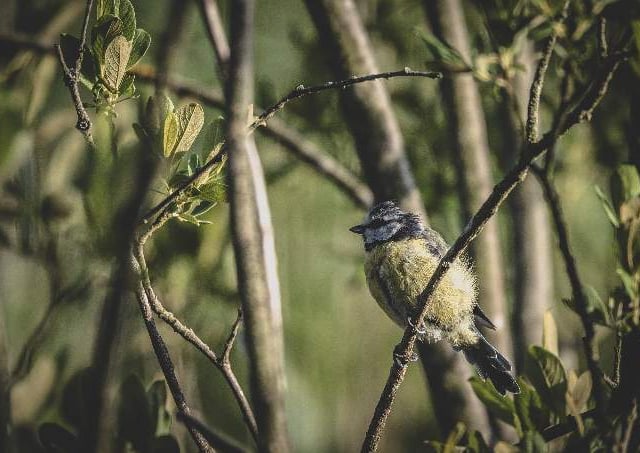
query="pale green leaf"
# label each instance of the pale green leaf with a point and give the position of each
(190, 120)
(497, 404)
(158, 108)
(549, 378)
(608, 208)
(127, 15)
(115, 62)
(104, 7)
(169, 134)
(141, 43)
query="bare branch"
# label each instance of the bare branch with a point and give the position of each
(269, 112)
(219, 442)
(533, 109)
(217, 36)
(579, 296)
(164, 359)
(603, 47)
(228, 345)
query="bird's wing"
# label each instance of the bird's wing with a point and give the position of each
(436, 245)
(481, 319)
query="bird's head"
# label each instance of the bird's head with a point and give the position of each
(387, 222)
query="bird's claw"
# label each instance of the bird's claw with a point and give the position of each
(421, 329)
(402, 360)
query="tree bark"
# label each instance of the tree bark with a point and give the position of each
(532, 236)
(380, 147)
(468, 130)
(253, 242)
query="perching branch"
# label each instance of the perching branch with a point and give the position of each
(500, 192)
(577, 289)
(261, 120)
(72, 76)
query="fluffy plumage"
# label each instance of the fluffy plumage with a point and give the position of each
(401, 256)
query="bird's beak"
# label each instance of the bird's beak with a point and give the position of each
(358, 229)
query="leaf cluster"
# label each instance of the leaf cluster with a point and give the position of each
(115, 46)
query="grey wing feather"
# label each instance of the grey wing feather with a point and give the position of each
(435, 243)
(481, 319)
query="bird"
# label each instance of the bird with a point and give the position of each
(401, 255)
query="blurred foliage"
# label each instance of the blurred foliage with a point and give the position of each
(58, 204)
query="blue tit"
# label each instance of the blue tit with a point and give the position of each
(401, 255)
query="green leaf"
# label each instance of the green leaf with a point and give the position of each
(141, 43)
(135, 421)
(157, 396)
(193, 164)
(55, 438)
(169, 134)
(443, 54)
(190, 120)
(127, 88)
(454, 437)
(127, 15)
(214, 191)
(549, 378)
(608, 208)
(628, 282)
(625, 184)
(497, 404)
(104, 31)
(529, 408)
(115, 64)
(549, 333)
(477, 444)
(158, 108)
(104, 7)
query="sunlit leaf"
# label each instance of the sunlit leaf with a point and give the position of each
(158, 108)
(625, 184)
(190, 120)
(115, 62)
(104, 7)
(477, 444)
(497, 404)
(141, 43)
(104, 31)
(443, 54)
(533, 442)
(169, 134)
(548, 377)
(549, 333)
(608, 208)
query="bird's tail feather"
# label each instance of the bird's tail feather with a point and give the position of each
(491, 364)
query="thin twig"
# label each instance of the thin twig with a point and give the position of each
(261, 120)
(228, 345)
(603, 48)
(222, 363)
(579, 296)
(164, 359)
(72, 75)
(292, 140)
(533, 108)
(219, 442)
(217, 36)
(500, 192)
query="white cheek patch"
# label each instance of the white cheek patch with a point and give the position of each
(381, 233)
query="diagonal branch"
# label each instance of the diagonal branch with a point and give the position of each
(261, 120)
(488, 209)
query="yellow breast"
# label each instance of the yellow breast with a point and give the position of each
(398, 271)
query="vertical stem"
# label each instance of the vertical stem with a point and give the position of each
(253, 241)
